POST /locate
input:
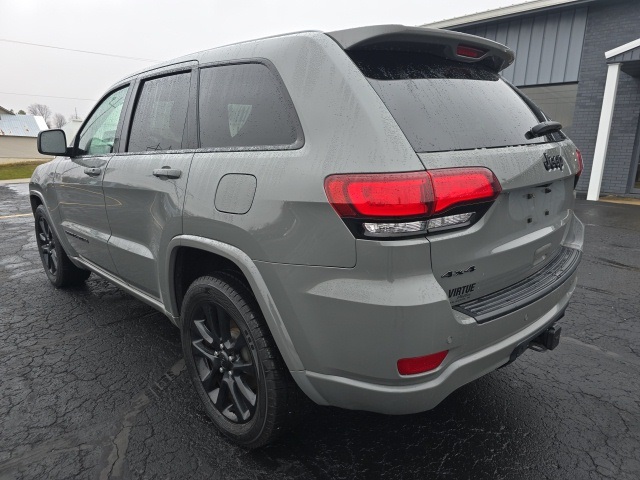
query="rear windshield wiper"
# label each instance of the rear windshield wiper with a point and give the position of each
(543, 128)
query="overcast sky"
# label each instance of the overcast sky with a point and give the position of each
(160, 30)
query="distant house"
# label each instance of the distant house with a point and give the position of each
(19, 135)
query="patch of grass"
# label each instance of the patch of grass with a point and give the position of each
(12, 171)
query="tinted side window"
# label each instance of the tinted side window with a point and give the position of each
(98, 134)
(161, 114)
(245, 106)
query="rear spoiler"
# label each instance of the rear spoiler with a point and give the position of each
(442, 43)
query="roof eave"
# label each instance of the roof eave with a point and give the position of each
(622, 49)
(504, 13)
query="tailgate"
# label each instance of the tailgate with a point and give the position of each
(523, 230)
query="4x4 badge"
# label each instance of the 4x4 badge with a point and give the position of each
(455, 273)
(555, 162)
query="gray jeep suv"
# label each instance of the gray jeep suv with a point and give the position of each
(372, 216)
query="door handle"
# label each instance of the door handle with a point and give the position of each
(93, 172)
(166, 172)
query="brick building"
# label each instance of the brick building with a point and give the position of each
(580, 61)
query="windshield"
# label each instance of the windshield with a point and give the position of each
(445, 105)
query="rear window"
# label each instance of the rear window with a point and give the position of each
(443, 105)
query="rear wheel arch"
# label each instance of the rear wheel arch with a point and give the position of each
(227, 258)
(190, 263)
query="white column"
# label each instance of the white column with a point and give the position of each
(604, 130)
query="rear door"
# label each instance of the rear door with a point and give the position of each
(148, 177)
(456, 114)
(79, 181)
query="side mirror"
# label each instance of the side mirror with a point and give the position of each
(52, 142)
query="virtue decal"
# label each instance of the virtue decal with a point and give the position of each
(456, 292)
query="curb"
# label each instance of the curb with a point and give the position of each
(622, 200)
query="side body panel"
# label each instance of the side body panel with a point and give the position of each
(346, 129)
(81, 207)
(145, 214)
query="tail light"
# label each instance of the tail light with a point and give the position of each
(402, 204)
(459, 186)
(380, 195)
(580, 167)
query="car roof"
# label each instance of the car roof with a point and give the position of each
(372, 38)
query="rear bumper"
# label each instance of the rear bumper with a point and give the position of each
(526, 291)
(405, 399)
(350, 326)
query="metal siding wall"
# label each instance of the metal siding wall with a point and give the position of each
(548, 47)
(524, 45)
(535, 51)
(513, 37)
(560, 56)
(574, 55)
(492, 30)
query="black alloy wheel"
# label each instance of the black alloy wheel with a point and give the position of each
(59, 269)
(234, 364)
(221, 354)
(47, 246)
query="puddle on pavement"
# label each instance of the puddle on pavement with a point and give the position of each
(19, 188)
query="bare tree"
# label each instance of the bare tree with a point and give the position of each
(39, 109)
(58, 120)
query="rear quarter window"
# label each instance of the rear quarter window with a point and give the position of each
(443, 105)
(245, 106)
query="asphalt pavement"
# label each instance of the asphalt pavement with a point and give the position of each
(92, 385)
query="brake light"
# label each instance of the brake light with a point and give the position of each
(401, 204)
(580, 164)
(380, 195)
(463, 186)
(415, 365)
(470, 52)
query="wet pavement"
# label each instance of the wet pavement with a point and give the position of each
(92, 385)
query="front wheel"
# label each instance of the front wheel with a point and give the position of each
(59, 269)
(233, 361)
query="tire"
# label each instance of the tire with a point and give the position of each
(234, 363)
(59, 269)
